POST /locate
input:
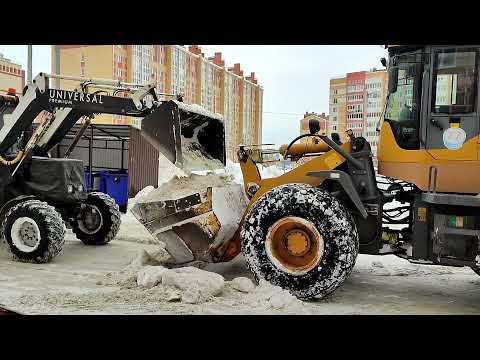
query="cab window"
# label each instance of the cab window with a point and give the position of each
(454, 79)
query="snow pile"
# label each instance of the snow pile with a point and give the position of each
(197, 285)
(150, 276)
(193, 285)
(167, 170)
(132, 230)
(234, 170)
(190, 285)
(270, 171)
(127, 277)
(180, 187)
(267, 296)
(140, 195)
(242, 284)
(197, 109)
(266, 172)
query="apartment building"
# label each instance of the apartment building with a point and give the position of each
(304, 128)
(337, 107)
(357, 101)
(375, 95)
(174, 69)
(11, 75)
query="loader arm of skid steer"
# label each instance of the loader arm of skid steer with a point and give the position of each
(189, 136)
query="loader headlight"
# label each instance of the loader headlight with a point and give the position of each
(80, 188)
(69, 189)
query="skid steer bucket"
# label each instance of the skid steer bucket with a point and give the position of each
(194, 223)
(189, 136)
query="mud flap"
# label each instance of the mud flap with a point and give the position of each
(180, 131)
(194, 226)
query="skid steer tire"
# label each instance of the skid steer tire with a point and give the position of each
(34, 231)
(325, 214)
(108, 221)
(476, 270)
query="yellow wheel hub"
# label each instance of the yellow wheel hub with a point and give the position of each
(294, 245)
(298, 242)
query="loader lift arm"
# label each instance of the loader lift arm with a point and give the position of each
(164, 121)
(68, 107)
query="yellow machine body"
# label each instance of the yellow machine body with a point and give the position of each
(444, 83)
(453, 173)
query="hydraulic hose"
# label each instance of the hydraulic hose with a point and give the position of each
(5, 162)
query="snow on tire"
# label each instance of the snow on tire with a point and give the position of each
(329, 217)
(34, 231)
(108, 223)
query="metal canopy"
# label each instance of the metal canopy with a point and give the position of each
(102, 132)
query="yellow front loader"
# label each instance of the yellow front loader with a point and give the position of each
(303, 230)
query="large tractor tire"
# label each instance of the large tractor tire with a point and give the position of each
(99, 222)
(301, 239)
(34, 231)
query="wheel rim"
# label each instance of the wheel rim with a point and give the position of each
(91, 220)
(25, 234)
(294, 245)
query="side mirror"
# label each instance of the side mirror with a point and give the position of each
(314, 126)
(392, 79)
(383, 61)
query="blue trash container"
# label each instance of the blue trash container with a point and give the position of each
(88, 180)
(116, 185)
(92, 182)
(103, 175)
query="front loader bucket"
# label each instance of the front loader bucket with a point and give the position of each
(189, 136)
(195, 224)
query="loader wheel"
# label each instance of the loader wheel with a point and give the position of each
(301, 239)
(99, 222)
(34, 231)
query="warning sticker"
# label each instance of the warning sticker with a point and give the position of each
(422, 214)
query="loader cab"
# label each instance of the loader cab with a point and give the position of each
(433, 100)
(430, 130)
(403, 109)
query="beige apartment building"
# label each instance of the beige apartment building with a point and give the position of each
(11, 76)
(174, 69)
(337, 107)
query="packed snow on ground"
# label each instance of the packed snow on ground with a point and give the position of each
(126, 277)
(129, 276)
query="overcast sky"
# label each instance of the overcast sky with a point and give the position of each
(295, 78)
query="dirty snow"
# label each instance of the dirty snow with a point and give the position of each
(180, 187)
(194, 155)
(103, 280)
(242, 284)
(128, 276)
(195, 108)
